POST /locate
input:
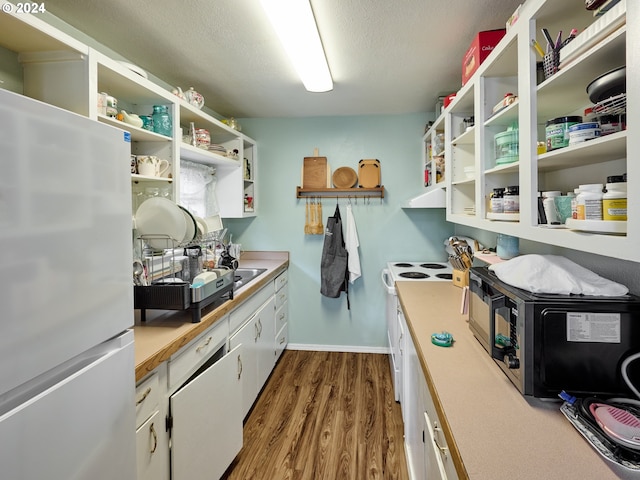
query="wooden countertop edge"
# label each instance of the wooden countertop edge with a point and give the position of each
(152, 362)
(446, 428)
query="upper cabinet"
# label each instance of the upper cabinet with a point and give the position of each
(43, 63)
(512, 100)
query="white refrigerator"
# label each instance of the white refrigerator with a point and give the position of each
(67, 378)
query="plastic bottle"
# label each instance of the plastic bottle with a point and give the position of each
(549, 205)
(589, 202)
(574, 204)
(614, 200)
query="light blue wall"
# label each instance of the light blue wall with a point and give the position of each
(386, 231)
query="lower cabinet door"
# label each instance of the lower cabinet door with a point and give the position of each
(151, 449)
(247, 337)
(207, 420)
(433, 455)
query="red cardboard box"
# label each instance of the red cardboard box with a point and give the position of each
(480, 48)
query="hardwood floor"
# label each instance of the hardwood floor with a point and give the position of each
(324, 416)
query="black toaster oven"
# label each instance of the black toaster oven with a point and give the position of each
(546, 343)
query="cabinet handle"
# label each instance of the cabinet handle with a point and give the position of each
(144, 396)
(400, 342)
(257, 334)
(443, 450)
(204, 344)
(282, 340)
(259, 327)
(283, 297)
(239, 367)
(155, 439)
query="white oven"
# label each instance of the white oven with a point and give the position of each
(412, 272)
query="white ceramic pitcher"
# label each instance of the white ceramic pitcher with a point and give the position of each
(152, 166)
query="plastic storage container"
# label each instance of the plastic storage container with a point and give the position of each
(506, 145)
(557, 131)
(614, 200)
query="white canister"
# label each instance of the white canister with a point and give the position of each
(589, 202)
(581, 132)
(549, 206)
(614, 201)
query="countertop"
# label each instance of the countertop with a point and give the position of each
(493, 432)
(165, 332)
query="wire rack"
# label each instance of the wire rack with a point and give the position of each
(616, 105)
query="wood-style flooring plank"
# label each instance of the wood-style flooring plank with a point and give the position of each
(324, 415)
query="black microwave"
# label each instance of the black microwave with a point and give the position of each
(546, 343)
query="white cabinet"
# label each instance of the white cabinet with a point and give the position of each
(425, 444)
(257, 338)
(412, 405)
(206, 428)
(49, 65)
(400, 359)
(151, 458)
(472, 170)
(282, 313)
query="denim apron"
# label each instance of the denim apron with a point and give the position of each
(334, 270)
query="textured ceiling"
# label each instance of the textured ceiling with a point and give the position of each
(386, 57)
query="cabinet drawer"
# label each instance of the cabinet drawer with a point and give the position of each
(281, 296)
(282, 316)
(249, 307)
(282, 338)
(149, 449)
(147, 398)
(196, 353)
(281, 280)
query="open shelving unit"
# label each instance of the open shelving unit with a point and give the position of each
(511, 68)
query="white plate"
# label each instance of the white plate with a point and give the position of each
(192, 226)
(161, 216)
(202, 226)
(135, 69)
(598, 226)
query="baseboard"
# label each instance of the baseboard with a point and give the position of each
(338, 348)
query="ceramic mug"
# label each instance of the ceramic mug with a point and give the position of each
(151, 166)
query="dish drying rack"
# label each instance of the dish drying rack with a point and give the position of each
(166, 282)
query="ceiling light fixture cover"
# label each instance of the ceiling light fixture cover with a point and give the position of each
(296, 26)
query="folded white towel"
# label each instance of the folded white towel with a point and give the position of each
(352, 243)
(555, 274)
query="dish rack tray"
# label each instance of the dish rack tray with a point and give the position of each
(176, 294)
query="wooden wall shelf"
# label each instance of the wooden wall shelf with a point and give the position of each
(377, 192)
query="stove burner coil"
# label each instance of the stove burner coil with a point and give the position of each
(434, 266)
(415, 275)
(403, 264)
(445, 276)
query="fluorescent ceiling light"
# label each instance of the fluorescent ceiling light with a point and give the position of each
(296, 26)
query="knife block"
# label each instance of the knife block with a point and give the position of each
(460, 278)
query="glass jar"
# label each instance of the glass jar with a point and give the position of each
(162, 120)
(147, 122)
(497, 200)
(511, 199)
(203, 138)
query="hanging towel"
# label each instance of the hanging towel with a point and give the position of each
(351, 244)
(334, 272)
